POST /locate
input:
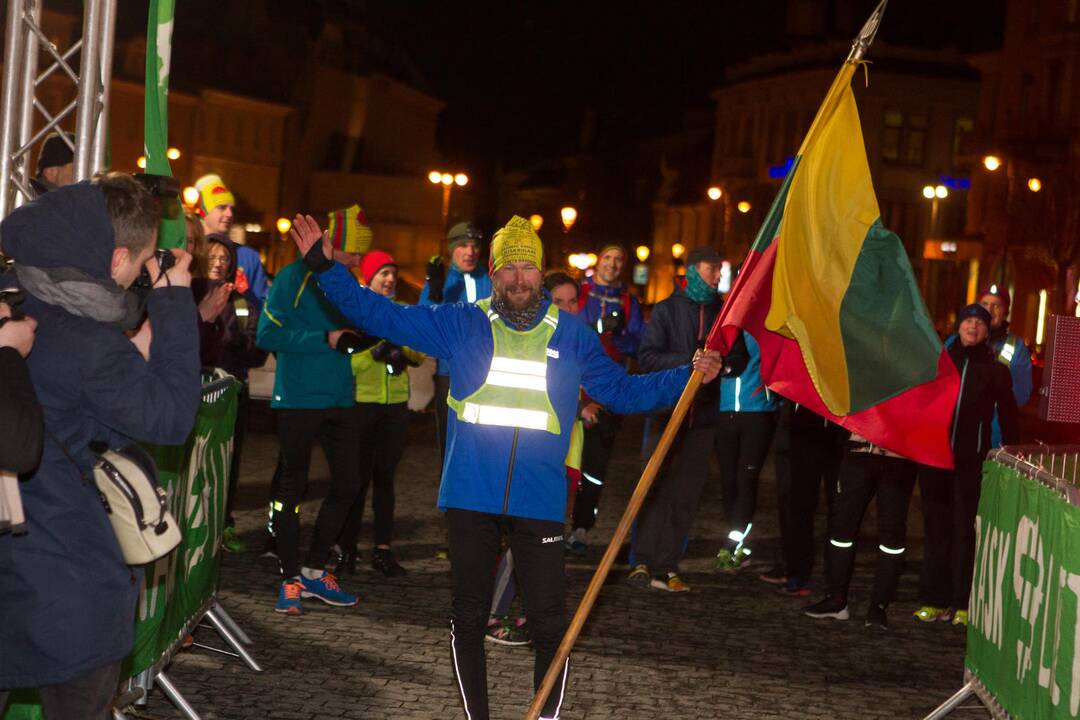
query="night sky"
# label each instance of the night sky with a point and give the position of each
(518, 77)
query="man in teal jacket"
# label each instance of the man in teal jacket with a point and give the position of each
(516, 365)
(313, 396)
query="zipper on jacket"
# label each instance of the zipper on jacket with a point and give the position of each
(959, 396)
(510, 473)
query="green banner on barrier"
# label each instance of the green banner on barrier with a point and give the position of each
(176, 587)
(1024, 617)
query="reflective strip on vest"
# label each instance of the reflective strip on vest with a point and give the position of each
(1007, 351)
(841, 543)
(514, 393)
(504, 416)
(891, 551)
(470, 287)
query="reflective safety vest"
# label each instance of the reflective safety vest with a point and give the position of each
(577, 444)
(1005, 356)
(515, 391)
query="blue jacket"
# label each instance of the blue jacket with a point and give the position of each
(248, 259)
(67, 599)
(596, 301)
(745, 392)
(1019, 369)
(293, 325)
(499, 469)
(455, 291)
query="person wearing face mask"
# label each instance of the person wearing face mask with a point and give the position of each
(678, 328)
(382, 395)
(607, 306)
(950, 498)
(517, 364)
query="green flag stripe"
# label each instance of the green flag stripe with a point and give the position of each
(884, 324)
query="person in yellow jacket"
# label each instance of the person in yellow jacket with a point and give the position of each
(382, 394)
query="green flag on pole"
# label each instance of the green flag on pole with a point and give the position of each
(172, 233)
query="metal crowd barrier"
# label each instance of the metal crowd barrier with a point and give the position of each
(1056, 468)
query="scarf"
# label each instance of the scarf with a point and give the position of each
(697, 289)
(81, 294)
(517, 319)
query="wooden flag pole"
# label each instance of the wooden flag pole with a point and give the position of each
(632, 508)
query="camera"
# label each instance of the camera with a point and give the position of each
(165, 260)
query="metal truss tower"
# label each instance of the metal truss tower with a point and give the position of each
(25, 119)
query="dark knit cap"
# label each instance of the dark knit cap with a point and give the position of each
(462, 233)
(55, 152)
(703, 253)
(974, 310)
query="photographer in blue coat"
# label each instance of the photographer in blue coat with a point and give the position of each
(516, 366)
(67, 613)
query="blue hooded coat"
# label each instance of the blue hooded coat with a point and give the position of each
(67, 599)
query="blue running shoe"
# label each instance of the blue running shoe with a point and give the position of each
(326, 588)
(288, 600)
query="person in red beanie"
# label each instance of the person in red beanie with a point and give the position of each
(382, 394)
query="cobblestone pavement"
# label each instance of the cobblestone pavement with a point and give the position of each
(732, 648)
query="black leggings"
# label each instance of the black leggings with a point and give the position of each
(595, 455)
(538, 550)
(380, 443)
(336, 430)
(742, 443)
(862, 477)
(950, 502)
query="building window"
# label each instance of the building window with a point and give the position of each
(965, 125)
(903, 140)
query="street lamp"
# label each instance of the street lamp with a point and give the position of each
(1034, 184)
(714, 193)
(447, 180)
(191, 195)
(991, 162)
(934, 193)
(536, 221)
(743, 206)
(173, 153)
(283, 225)
(569, 217)
(642, 252)
(677, 250)
(141, 162)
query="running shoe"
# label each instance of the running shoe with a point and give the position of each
(575, 542)
(231, 542)
(639, 577)
(384, 561)
(731, 562)
(929, 613)
(507, 631)
(670, 582)
(795, 588)
(876, 617)
(774, 575)
(832, 606)
(288, 601)
(326, 588)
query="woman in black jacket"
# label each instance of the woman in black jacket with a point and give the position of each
(950, 498)
(20, 417)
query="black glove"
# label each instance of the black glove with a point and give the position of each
(436, 277)
(351, 342)
(315, 260)
(613, 323)
(392, 355)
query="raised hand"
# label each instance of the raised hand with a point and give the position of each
(306, 233)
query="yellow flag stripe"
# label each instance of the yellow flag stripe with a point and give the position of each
(830, 208)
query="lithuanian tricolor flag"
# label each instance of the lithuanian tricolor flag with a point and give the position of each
(828, 293)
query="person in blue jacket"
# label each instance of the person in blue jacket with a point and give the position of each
(465, 281)
(516, 364)
(744, 432)
(67, 598)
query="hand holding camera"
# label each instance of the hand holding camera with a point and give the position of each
(613, 323)
(170, 267)
(16, 330)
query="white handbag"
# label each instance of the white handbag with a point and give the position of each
(128, 483)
